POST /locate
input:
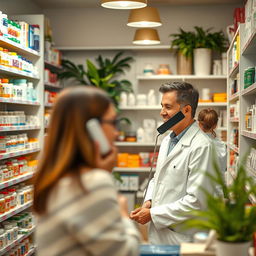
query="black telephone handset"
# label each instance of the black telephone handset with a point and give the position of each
(171, 122)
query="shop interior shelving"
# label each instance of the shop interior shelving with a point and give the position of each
(30, 108)
(246, 97)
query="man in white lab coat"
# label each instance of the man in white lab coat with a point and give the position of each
(185, 156)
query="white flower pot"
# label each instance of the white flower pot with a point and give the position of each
(232, 249)
(202, 61)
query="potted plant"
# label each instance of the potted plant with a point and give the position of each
(104, 76)
(205, 42)
(185, 42)
(228, 214)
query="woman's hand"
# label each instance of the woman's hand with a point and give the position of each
(107, 162)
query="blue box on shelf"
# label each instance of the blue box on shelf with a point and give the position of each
(159, 250)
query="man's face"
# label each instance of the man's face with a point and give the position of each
(170, 107)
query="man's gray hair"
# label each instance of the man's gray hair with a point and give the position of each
(186, 94)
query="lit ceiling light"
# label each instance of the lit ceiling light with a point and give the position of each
(123, 4)
(146, 36)
(144, 18)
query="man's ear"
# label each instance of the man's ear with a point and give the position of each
(187, 109)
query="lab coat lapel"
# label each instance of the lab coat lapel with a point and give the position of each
(185, 141)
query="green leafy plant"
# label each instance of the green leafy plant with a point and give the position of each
(104, 76)
(184, 41)
(187, 41)
(228, 215)
(212, 40)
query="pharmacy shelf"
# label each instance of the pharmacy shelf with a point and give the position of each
(54, 86)
(135, 144)
(221, 128)
(48, 105)
(52, 65)
(15, 211)
(136, 169)
(13, 71)
(31, 251)
(14, 181)
(251, 135)
(234, 119)
(6, 43)
(18, 153)
(181, 77)
(249, 90)
(249, 46)
(158, 107)
(233, 147)
(111, 48)
(234, 71)
(19, 128)
(234, 97)
(20, 102)
(17, 241)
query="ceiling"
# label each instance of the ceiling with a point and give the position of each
(48, 4)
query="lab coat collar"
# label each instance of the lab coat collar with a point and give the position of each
(185, 141)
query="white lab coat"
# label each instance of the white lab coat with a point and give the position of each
(221, 151)
(175, 188)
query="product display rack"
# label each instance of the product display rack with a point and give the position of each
(30, 108)
(142, 55)
(17, 241)
(246, 97)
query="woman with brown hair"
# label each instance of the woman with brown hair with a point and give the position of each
(208, 120)
(77, 204)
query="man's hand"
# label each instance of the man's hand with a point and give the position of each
(141, 215)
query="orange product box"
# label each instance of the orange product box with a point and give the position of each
(133, 160)
(122, 160)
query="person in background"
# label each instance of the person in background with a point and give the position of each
(78, 207)
(185, 156)
(208, 120)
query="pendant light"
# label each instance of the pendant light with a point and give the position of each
(144, 17)
(146, 36)
(123, 4)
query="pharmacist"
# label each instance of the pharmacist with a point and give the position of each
(184, 158)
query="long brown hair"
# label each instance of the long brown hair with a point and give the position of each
(68, 146)
(208, 118)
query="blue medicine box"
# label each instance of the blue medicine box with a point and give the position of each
(159, 250)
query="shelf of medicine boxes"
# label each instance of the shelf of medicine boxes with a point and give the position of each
(249, 90)
(25, 51)
(234, 96)
(52, 65)
(14, 181)
(19, 128)
(129, 169)
(180, 77)
(20, 102)
(249, 46)
(31, 251)
(233, 147)
(251, 135)
(52, 86)
(15, 72)
(17, 241)
(15, 211)
(18, 153)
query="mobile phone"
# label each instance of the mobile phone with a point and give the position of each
(96, 133)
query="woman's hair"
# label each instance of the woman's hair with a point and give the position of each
(68, 146)
(208, 118)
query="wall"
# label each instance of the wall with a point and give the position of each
(106, 27)
(19, 7)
